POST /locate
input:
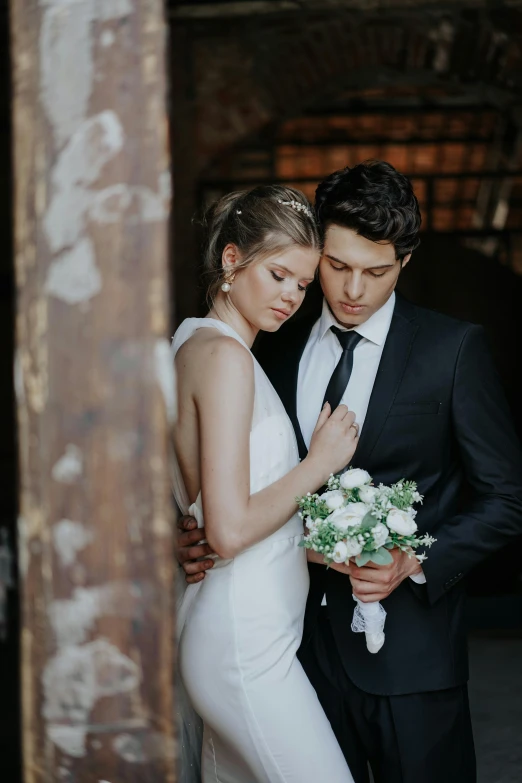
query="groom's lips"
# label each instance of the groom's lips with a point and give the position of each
(352, 309)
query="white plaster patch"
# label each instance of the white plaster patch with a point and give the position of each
(96, 142)
(100, 9)
(69, 538)
(73, 680)
(73, 618)
(165, 186)
(165, 374)
(65, 48)
(137, 204)
(138, 749)
(74, 276)
(70, 466)
(23, 546)
(70, 739)
(79, 165)
(107, 38)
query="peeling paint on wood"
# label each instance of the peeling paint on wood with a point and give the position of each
(69, 467)
(69, 538)
(94, 401)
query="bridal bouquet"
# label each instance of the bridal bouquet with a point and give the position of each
(355, 520)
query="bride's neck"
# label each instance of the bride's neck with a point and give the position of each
(222, 310)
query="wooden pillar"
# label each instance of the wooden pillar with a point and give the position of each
(94, 388)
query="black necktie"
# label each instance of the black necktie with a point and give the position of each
(341, 375)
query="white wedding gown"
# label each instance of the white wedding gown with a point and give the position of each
(241, 627)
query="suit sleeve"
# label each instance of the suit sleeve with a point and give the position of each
(492, 460)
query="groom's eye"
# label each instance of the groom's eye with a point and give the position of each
(337, 268)
(377, 274)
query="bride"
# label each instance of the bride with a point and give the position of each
(238, 467)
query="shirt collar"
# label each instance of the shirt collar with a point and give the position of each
(374, 329)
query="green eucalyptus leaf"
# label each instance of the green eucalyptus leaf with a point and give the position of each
(363, 558)
(381, 557)
(368, 521)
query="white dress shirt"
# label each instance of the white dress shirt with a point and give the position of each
(320, 357)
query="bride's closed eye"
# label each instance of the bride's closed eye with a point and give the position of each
(281, 279)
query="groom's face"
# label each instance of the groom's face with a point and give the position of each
(357, 275)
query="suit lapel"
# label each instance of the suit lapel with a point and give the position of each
(288, 377)
(393, 363)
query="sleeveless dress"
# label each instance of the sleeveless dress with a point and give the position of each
(239, 631)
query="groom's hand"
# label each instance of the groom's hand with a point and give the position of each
(189, 550)
(374, 583)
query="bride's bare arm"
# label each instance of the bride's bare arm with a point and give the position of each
(234, 519)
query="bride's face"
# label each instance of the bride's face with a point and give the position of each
(268, 292)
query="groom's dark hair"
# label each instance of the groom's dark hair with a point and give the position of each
(374, 200)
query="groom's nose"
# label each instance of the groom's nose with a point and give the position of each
(354, 286)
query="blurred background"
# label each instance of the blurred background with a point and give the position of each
(289, 91)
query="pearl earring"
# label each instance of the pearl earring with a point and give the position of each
(226, 287)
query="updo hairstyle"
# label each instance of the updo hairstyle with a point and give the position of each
(260, 222)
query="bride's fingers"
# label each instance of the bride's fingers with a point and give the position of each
(323, 416)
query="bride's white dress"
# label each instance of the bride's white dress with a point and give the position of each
(241, 627)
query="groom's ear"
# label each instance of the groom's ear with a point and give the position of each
(405, 260)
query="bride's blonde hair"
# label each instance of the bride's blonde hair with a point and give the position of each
(260, 222)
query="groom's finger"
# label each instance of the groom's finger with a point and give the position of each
(198, 567)
(189, 539)
(187, 523)
(379, 575)
(367, 591)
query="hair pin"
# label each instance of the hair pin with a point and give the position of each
(297, 206)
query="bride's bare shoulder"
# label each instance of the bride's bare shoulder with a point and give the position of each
(210, 352)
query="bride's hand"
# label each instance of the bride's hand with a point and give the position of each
(334, 440)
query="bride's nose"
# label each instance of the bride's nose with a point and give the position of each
(291, 296)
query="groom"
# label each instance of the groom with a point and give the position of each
(431, 409)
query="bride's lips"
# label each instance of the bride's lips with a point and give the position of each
(282, 314)
(352, 309)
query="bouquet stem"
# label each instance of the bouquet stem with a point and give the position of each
(369, 618)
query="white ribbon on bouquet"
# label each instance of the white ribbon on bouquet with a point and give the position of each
(369, 618)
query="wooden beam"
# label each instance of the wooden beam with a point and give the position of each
(210, 9)
(94, 390)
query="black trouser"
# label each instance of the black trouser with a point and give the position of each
(418, 738)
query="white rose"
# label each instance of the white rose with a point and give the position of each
(353, 547)
(310, 523)
(333, 499)
(340, 552)
(355, 478)
(380, 534)
(401, 522)
(367, 494)
(350, 515)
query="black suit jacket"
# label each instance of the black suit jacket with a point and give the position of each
(437, 415)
